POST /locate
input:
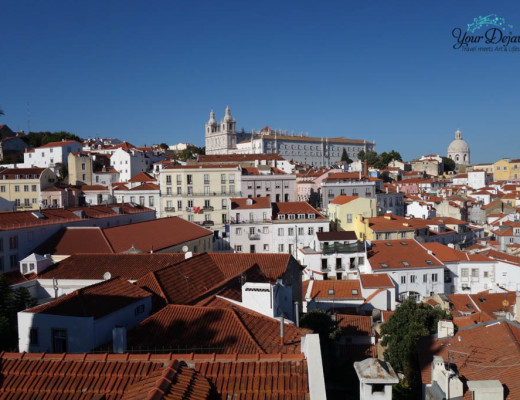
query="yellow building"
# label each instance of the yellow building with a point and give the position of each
(199, 193)
(24, 186)
(344, 212)
(80, 169)
(506, 169)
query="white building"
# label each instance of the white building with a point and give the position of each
(84, 319)
(415, 271)
(48, 155)
(376, 378)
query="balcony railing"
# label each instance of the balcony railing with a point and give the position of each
(202, 194)
(170, 209)
(254, 236)
(208, 223)
(343, 248)
(250, 221)
(208, 208)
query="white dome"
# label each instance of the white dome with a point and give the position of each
(458, 150)
(458, 146)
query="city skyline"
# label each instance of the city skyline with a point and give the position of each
(151, 73)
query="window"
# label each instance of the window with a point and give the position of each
(206, 179)
(168, 191)
(403, 279)
(223, 178)
(83, 166)
(349, 218)
(464, 272)
(290, 231)
(139, 309)
(231, 190)
(2, 189)
(206, 190)
(150, 201)
(474, 273)
(190, 190)
(310, 231)
(266, 247)
(231, 178)
(434, 277)
(412, 278)
(425, 278)
(59, 340)
(354, 292)
(179, 179)
(252, 230)
(16, 188)
(33, 337)
(190, 217)
(224, 204)
(13, 261)
(280, 248)
(486, 274)
(265, 229)
(25, 188)
(27, 202)
(141, 200)
(280, 231)
(223, 190)
(13, 242)
(189, 179)
(168, 179)
(179, 204)
(238, 231)
(301, 231)
(190, 203)
(239, 248)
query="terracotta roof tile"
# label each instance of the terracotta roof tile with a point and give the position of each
(336, 235)
(355, 325)
(142, 177)
(373, 281)
(58, 144)
(342, 199)
(93, 266)
(236, 158)
(332, 289)
(480, 352)
(227, 329)
(400, 254)
(95, 301)
(256, 202)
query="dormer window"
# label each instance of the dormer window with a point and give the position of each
(311, 216)
(331, 292)
(301, 216)
(281, 216)
(354, 292)
(292, 216)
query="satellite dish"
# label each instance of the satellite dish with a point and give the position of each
(107, 276)
(184, 249)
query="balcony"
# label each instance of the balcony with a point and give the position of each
(208, 208)
(208, 223)
(169, 209)
(250, 221)
(343, 248)
(254, 236)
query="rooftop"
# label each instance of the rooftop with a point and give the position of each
(400, 254)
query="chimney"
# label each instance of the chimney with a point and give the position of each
(119, 339)
(445, 329)
(297, 313)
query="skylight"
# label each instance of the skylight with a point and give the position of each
(384, 265)
(405, 263)
(388, 244)
(429, 262)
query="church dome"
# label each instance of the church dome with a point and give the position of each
(458, 150)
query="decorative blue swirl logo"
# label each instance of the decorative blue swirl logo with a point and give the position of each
(489, 20)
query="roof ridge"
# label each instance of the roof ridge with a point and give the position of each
(105, 238)
(235, 314)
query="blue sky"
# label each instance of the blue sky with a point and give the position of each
(150, 72)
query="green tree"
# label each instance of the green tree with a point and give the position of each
(62, 171)
(37, 139)
(401, 333)
(345, 157)
(321, 322)
(10, 303)
(449, 164)
(163, 146)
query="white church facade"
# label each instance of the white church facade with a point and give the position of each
(223, 138)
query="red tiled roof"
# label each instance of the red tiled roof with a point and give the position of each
(350, 289)
(385, 315)
(355, 325)
(251, 171)
(394, 223)
(295, 207)
(482, 352)
(218, 329)
(146, 186)
(94, 266)
(25, 219)
(472, 319)
(11, 173)
(58, 144)
(336, 235)
(95, 301)
(342, 199)
(96, 188)
(257, 202)
(142, 177)
(202, 166)
(373, 281)
(390, 254)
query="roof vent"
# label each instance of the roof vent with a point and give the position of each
(38, 215)
(331, 292)
(384, 265)
(249, 202)
(107, 275)
(188, 254)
